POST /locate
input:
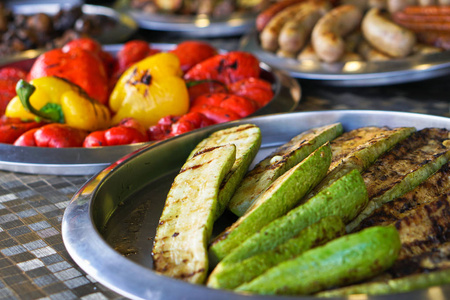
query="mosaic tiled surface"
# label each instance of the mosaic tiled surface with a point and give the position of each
(33, 261)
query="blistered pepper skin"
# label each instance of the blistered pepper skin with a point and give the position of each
(79, 110)
(149, 90)
(79, 66)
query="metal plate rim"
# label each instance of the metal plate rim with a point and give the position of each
(200, 26)
(91, 252)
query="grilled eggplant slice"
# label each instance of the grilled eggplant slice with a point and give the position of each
(185, 226)
(345, 260)
(282, 159)
(247, 139)
(345, 198)
(358, 149)
(403, 168)
(277, 200)
(232, 275)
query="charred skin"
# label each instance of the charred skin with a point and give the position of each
(282, 159)
(436, 185)
(403, 168)
(358, 149)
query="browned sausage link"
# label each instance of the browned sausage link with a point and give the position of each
(435, 38)
(401, 16)
(427, 10)
(425, 26)
(266, 15)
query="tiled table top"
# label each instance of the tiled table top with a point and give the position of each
(34, 263)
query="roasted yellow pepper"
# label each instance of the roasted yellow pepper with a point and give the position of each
(54, 99)
(149, 90)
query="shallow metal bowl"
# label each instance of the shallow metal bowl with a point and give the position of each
(109, 224)
(87, 161)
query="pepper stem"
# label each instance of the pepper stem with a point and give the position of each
(50, 112)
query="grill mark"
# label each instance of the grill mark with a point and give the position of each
(430, 226)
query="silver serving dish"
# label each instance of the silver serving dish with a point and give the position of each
(86, 161)
(109, 224)
(125, 26)
(200, 26)
(355, 73)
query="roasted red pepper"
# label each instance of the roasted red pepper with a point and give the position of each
(191, 53)
(189, 122)
(53, 136)
(216, 113)
(257, 89)
(241, 106)
(227, 68)
(27, 139)
(12, 128)
(171, 126)
(79, 66)
(9, 76)
(201, 87)
(129, 131)
(132, 52)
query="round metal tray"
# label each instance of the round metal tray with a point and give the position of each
(86, 161)
(123, 29)
(200, 26)
(109, 224)
(355, 73)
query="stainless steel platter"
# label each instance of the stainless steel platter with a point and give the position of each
(124, 27)
(200, 26)
(355, 73)
(84, 161)
(109, 224)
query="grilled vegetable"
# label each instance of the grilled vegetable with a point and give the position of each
(358, 149)
(429, 220)
(398, 285)
(276, 201)
(281, 160)
(404, 167)
(229, 276)
(344, 260)
(345, 198)
(247, 139)
(428, 191)
(149, 90)
(185, 226)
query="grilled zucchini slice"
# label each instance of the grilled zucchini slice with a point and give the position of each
(277, 200)
(282, 159)
(247, 139)
(230, 276)
(358, 149)
(185, 226)
(344, 198)
(347, 259)
(403, 168)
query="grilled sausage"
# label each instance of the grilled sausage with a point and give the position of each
(266, 15)
(296, 32)
(385, 35)
(327, 36)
